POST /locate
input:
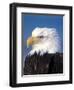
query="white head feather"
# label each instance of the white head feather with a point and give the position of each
(49, 43)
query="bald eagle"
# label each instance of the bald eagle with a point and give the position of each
(45, 56)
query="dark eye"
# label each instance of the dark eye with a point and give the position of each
(41, 36)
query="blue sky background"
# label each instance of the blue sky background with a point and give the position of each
(31, 21)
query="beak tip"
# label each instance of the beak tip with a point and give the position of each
(27, 46)
(29, 42)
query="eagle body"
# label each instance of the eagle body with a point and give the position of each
(46, 64)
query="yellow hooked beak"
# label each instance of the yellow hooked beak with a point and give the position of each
(32, 40)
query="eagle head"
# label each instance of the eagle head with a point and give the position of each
(44, 40)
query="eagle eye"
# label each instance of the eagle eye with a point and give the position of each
(41, 36)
